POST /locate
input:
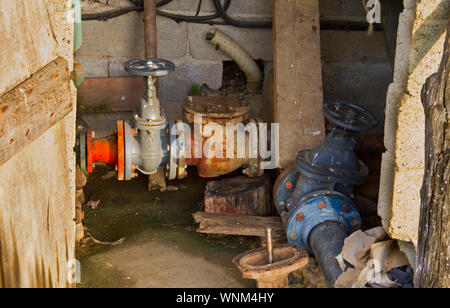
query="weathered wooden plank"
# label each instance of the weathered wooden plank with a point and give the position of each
(239, 225)
(297, 77)
(34, 106)
(110, 94)
(239, 195)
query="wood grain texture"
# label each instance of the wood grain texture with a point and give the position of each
(37, 184)
(239, 195)
(297, 77)
(110, 94)
(239, 225)
(433, 247)
(34, 106)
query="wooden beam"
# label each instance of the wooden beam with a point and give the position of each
(110, 94)
(34, 106)
(298, 93)
(240, 225)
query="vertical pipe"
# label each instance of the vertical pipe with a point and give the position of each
(269, 245)
(150, 33)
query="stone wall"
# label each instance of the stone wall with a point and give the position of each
(420, 41)
(356, 67)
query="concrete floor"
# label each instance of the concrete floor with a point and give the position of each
(161, 248)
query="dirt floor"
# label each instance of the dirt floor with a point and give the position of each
(161, 248)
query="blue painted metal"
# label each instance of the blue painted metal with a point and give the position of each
(320, 207)
(317, 189)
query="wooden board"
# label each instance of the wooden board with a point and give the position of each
(110, 94)
(37, 184)
(34, 106)
(240, 225)
(239, 195)
(297, 77)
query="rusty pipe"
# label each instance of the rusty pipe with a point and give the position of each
(269, 245)
(150, 34)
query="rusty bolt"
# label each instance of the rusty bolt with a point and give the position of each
(345, 208)
(288, 185)
(321, 205)
(300, 216)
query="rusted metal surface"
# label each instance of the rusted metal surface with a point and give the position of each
(120, 152)
(220, 110)
(150, 34)
(229, 109)
(286, 259)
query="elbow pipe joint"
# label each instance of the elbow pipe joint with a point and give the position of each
(243, 59)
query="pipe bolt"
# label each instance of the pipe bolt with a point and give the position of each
(293, 236)
(345, 208)
(300, 216)
(281, 205)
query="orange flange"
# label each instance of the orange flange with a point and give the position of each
(120, 152)
(89, 151)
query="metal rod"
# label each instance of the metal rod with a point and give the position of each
(150, 28)
(269, 245)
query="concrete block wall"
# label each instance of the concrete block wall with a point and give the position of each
(420, 40)
(355, 69)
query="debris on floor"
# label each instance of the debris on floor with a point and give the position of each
(310, 276)
(375, 261)
(93, 204)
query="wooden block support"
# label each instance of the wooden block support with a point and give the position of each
(31, 108)
(240, 225)
(297, 77)
(239, 195)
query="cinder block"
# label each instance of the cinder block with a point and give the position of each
(352, 8)
(410, 135)
(176, 86)
(124, 37)
(94, 67)
(404, 223)
(257, 42)
(247, 7)
(353, 46)
(117, 67)
(358, 83)
(330, 7)
(428, 43)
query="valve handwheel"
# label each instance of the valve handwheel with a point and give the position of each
(350, 116)
(149, 67)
